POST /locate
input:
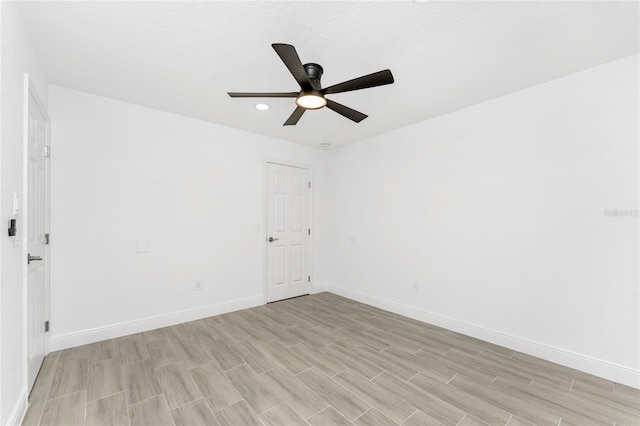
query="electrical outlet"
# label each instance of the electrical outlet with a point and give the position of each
(415, 286)
(198, 285)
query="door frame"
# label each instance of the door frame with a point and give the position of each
(30, 91)
(265, 217)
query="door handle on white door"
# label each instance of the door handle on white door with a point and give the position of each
(32, 258)
(271, 239)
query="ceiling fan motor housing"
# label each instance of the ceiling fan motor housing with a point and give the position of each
(314, 71)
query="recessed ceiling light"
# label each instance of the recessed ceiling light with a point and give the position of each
(262, 107)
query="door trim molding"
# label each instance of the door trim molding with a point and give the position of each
(20, 409)
(265, 214)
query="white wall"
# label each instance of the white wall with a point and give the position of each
(497, 211)
(193, 191)
(18, 57)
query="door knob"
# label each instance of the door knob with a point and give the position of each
(32, 258)
(271, 239)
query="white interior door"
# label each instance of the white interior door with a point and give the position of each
(288, 232)
(36, 196)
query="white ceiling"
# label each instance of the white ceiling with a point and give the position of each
(183, 57)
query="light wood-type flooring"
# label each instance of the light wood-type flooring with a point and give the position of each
(316, 360)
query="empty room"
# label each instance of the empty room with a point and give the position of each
(320, 213)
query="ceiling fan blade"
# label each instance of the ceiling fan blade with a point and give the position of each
(293, 118)
(263, 95)
(291, 59)
(379, 78)
(351, 114)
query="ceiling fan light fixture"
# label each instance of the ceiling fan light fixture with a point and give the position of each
(262, 107)
(311, 94)
(311, 100)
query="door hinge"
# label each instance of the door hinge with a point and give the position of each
(309, 231)
(46, 151)
(309, 278)
(46, 239)
(46, 326)
(309, 184)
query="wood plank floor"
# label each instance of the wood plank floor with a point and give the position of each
(316, 360)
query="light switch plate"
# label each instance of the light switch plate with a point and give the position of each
(16, 203)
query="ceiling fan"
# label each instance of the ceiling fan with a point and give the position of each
(311, 94)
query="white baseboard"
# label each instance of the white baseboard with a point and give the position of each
(318, 287)
(19, 410)
(597, 367)
(131, 327)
